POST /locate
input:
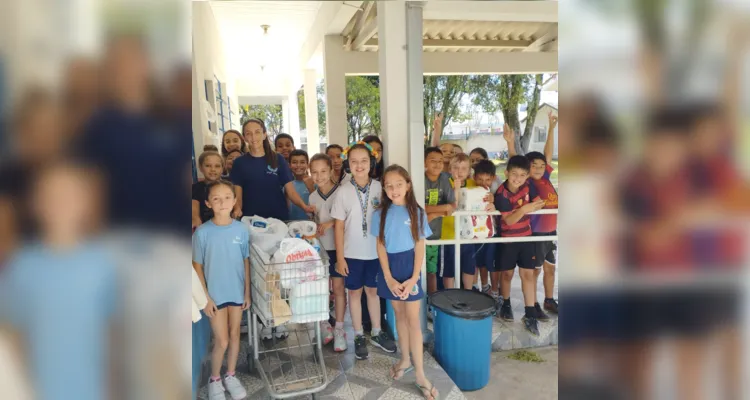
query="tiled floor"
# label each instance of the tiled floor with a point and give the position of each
(349, 379)
(512, 335)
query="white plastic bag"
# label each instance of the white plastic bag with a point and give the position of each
(302, 228)
(266, 233)
(309, 301)
(298, 262)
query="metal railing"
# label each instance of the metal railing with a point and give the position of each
(458, 241)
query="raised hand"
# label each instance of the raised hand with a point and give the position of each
(552, 120)
(508, 134)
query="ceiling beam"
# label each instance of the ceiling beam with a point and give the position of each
(442, 63)
(507, 44)
(507, 11)
(540, 43)
(332, 15)
(363, 14)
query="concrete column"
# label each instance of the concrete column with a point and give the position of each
(292, 127)
(335, 90)
(285, 116)
(311, 112)
(393, 81)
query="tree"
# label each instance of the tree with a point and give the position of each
(321, 109)
(269, 113)
(531, 110)
(505, 93)
(362, 107)
(443, 94)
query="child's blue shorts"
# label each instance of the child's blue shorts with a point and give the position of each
(332, 264)
(361, 273)
(485, 256)
(402, 269)
(447, 260)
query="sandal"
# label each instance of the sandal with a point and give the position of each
(398, 373)
(431, 392)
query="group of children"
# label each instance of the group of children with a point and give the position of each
(373, 229)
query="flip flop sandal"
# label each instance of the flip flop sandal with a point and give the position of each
(403, 371)
(429, 391)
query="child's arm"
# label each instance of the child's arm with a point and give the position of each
(396, 288)
(549, 146)
(514, 216)
(247, 302)
(196, 214)
(323, 227)
(7, 228)
(237, 211)
(310, 184)
(338, 235)
(437, 129)
(293, 196)
(510, 138)
(210, 305)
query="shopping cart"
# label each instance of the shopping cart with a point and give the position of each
(294, 295)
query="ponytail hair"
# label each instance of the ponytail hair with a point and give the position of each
(271, 158)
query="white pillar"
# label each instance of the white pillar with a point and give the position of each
(393, 81)
(311, 112)
(285, 116)
(292, 127)
(335, 91)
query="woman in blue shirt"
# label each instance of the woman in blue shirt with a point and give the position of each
(262, 178)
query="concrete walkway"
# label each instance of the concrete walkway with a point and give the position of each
(511, 379)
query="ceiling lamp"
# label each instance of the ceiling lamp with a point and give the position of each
(265, 47)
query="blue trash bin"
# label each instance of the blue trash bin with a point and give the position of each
(463, 335)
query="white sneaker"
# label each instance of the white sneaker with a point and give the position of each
(327, 332)
(266, 333)
(216, 391)
(234, 387)
(486, 289)
(281, 332)
(339, 340)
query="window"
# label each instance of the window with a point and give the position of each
(540, 133)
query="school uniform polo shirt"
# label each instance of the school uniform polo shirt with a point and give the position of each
(323, 202)
(506, 202)
(347, 207)
(397, 228)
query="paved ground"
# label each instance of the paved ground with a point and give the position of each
(511, 379)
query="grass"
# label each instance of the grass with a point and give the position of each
(525, 356)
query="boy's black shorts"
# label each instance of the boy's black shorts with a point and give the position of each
(508, 255)
(545, 251)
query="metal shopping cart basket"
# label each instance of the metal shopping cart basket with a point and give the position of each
(294, 295)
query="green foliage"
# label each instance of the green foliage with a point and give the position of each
(443, 94)
(362, 107)
(503, 94)
(321, 109)
(270, 114)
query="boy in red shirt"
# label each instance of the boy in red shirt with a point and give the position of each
(515, 199)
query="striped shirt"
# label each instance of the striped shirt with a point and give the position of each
(506, 202)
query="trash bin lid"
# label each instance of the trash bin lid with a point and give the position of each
(465, 304)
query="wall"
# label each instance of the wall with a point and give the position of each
(208, 63)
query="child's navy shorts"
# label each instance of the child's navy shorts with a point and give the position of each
(332, 264)
(447, 260)
(402, 269)
(485, 256)
(361, 273)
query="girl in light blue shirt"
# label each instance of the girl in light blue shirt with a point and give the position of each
(221, 258)
(401, 227)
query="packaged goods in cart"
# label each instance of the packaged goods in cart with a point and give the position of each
(266, 233)
(299, 262)
(475, 227)
(303, 229)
